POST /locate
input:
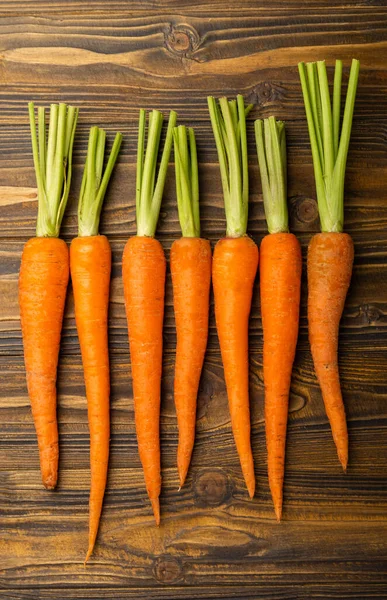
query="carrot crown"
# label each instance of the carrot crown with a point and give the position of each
(95, 181)
(187, 180)
(149, 189)
(53, 164)
(271, 149)
(329, 144)
(228, 121)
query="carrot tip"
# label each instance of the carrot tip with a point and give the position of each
(251, 490)
(50, 481)
(89, 552)
(182, 476)
(278, 513)
(344, 462)
(49, 487)
(156, 509)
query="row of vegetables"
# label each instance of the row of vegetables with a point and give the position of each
(46, 265)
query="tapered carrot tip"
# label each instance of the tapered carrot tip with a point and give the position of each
(343, 458)
(251, 489)
(278, 512)
(156, 509)
(182, 477)
(89, 552)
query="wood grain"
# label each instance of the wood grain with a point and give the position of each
(213, 542)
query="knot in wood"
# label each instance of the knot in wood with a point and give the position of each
(182, 40)
(369, 313)
(266, 93)
(167, 569)
(303, 210)
(212, 488)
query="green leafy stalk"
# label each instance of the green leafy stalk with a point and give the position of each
(271, 150)
(329, 144)
(187, 180)
(228, 121)
(95, 181)
(149, 188)
(53, 164)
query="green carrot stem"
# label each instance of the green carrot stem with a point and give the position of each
(337, 104)
(53, 164)
(52, 131)
(149, 189)
(228, 121)
(140, 157)
(187, 180)
(95, 181)
(42, 138)
(194, 178)
(271, 150)
(329, 144)
(327, 125)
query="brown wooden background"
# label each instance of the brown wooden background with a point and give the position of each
(110, 59)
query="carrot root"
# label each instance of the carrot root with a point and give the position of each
(90, 261)
(330, 260)
(191, 276)
(44, 275)
(280, 284)
(235, 265)
(143, 270)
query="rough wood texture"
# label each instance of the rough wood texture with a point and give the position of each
(111, 59)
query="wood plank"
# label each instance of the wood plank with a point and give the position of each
(16, 8)
(302, 588)
(181, 551)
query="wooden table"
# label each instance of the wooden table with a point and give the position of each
(110, 59)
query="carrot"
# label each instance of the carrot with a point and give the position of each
(330, 254)
(44, 275)
(143, 270)
(280, 283)
(235, 264)
(90, 266)
(191, 277)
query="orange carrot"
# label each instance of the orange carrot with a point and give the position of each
(330, 259)
(330, 254)
(44, 275)
(143, 270)
(235, 265)
(90, 265)
(234, 269)
(191, 277)
(280, 284)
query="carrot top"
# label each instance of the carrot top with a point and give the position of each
(187, 180)
(53, 164)
(149, 189)
(228, 121)
(271, 148)
(95, 181)
(329, 145)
